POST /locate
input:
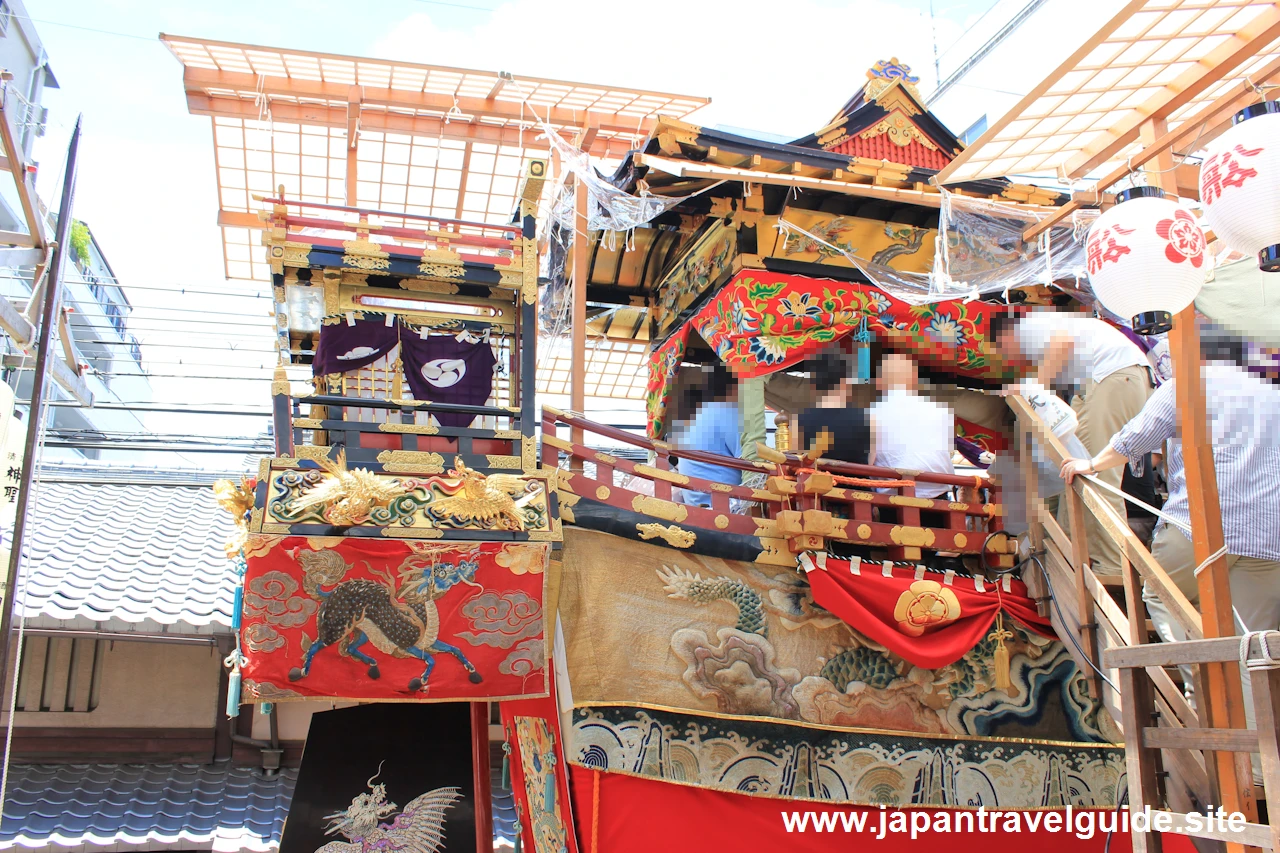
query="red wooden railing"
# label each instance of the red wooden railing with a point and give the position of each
(877, 508)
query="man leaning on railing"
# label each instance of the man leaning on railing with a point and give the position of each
(1244, 415)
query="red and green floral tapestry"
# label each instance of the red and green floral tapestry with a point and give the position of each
(762, 322)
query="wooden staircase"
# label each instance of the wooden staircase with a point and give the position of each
(1174, 763)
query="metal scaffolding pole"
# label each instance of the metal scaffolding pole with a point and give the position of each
(35, 415)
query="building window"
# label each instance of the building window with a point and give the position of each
(975, 130)
(4, 18)
(60, 674)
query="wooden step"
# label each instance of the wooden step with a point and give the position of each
(1251, 835)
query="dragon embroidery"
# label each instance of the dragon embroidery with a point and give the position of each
(397, 615)
(417, 829)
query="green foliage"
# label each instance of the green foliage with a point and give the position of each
(79, 239)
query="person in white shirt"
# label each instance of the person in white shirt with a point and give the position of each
(912, 433)
(1111, 379)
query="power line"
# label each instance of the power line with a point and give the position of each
(178, 287)
(148, 345)
(172, 409)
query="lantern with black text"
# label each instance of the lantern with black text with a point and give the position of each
(1240, 184)
(1146, 259)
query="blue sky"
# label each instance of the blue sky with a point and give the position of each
(147, 177)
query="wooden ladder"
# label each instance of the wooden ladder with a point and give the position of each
(1143, 745)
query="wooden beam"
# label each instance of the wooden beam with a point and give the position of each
(578, 319)
(1067, 66)
(239, 219)
(1220, 62)
(22, 257)
(1221, 740)
(1221, 703)
(15, 325)
(22, 180)
(1218, 650)
(70, 381)
(201, 80)
(319, 115)
(1253, 834)
(16, 239)
(355, 94)
(1198, 129)
(466, 170)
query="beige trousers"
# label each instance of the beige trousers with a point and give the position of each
(1103, 408)
(1255, 597)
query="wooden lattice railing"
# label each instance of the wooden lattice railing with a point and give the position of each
(1141, 696)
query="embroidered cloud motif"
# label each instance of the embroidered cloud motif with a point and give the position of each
(502, 620)
(525, 659)
(270, 598)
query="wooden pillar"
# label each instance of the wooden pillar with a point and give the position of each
(578, 320)
(1222, 702)
(355, 97)
(482, 780)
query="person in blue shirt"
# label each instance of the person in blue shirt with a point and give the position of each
(716, 428)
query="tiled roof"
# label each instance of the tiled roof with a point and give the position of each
(100, 807)
(145, 558)
(97, 808)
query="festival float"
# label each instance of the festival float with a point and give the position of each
(666, 674)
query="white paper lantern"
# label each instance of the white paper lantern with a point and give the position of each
(1146, 259)
(1240, 184)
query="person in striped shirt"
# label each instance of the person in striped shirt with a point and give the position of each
(1244, 416)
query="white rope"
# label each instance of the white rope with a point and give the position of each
(1268, 659)
(1184, 527)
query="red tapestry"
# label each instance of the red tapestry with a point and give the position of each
(539, 774)
(927, 622)
(763, 322)
(377, 619)
(625, 814)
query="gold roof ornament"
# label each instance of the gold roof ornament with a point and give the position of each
(886, 72)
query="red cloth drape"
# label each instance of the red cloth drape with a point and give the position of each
(627, 814)
(926, 622)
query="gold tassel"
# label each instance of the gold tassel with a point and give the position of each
(999, 635)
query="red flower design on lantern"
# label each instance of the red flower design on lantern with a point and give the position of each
(1186, 240)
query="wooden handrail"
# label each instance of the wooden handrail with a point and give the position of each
(832, 466)
(1117, 528)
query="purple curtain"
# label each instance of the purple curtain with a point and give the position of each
(442, 369)
(346, 347)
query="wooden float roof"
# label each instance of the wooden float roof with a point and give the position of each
(1187, 63)
(387, 135)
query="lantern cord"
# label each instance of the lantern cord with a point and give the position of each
(1182, 158)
